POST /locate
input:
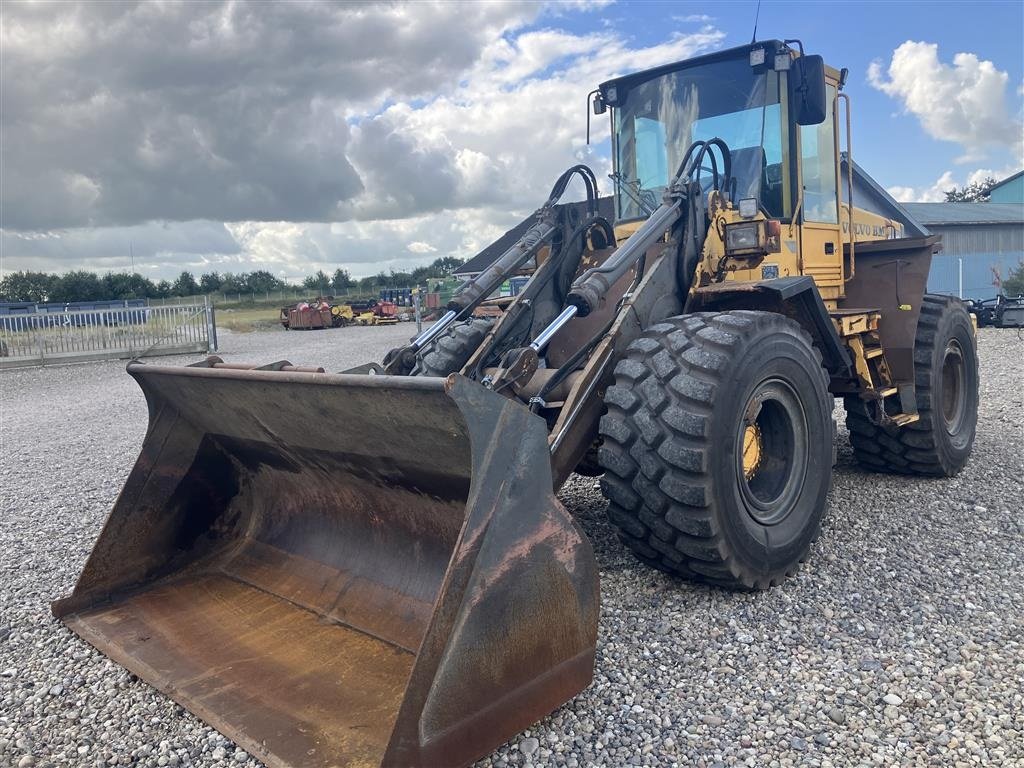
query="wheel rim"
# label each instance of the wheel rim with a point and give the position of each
(954, 391)
(772, 453)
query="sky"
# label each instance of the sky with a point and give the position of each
(236, 136)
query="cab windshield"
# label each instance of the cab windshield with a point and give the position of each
(656, 121)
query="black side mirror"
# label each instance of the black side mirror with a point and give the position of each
(599, 108)
(807, 90)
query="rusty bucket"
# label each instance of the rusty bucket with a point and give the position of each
(342, 570)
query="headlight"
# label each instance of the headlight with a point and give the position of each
(741, 237)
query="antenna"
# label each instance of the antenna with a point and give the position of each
(757, 14)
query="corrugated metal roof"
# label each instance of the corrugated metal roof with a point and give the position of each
(966, 213)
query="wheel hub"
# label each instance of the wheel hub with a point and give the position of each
(751, 450)
(954, 390)
(772, 451)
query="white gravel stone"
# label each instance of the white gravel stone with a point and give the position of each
(529, 746)
(913, 587)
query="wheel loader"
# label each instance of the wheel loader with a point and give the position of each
(418, 598)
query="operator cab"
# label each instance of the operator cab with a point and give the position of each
(768, 104)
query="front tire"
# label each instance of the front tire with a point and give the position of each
(717, 447)
(450, 352)
(946, 384)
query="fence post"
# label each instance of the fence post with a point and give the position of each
(42, 343)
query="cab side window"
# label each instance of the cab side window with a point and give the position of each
(818, 165)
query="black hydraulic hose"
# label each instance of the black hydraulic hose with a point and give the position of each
(589, 182)
(471, 294)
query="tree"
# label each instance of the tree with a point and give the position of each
(185, 285)
(342, 280)
(78, 286)
(210, 282)
(27, 286)
(399, 279)
(445, 265)
(121, 285)
(319, 282)
(163, 290)
(261, 281)
(367, 284)
(233, 283)
(1014, 284)
(975, 192)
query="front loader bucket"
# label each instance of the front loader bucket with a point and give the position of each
(342, 570)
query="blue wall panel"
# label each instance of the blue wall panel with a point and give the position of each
(978, 276)
(1010, 192)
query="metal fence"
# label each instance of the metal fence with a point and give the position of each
(49, 337)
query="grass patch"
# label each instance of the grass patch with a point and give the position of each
(250, 319)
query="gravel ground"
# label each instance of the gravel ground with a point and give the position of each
(900, 642)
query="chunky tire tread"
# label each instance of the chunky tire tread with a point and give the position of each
(913, 449)
(656, 445)
(449, 353)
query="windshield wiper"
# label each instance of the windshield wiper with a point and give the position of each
(644, 199)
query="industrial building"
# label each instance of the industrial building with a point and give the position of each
(981, 243)
(1009, 190)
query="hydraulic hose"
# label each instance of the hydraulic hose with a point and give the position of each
(469, 296)
(491, 278)
(592, 285)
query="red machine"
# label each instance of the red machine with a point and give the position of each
(307, 316)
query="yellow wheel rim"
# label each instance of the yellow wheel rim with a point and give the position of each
(751, 450)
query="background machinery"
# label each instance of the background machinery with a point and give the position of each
(307, 315)
(324, 599)
(1001, 311)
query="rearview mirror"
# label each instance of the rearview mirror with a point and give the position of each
(807, 90)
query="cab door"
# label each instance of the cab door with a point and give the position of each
(821, 236)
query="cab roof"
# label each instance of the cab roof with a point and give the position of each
(627, 82)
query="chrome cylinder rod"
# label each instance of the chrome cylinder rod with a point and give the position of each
(435, 329)
(554, 327)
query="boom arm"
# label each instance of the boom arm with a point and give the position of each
(400, 361)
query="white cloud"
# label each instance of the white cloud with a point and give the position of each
(485, 154)
(964, 103)
(936, 192)
(437, 154)
(933, 193)
(418, 246)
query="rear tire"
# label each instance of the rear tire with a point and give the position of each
(450, 353)
(717, 447)
(946, 383)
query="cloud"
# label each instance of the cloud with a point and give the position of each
(933, 193)
(119, 113)
(365, 247)
(964, 103)
(936, 192)
(155, 246)
(418, 246)
(322, 135)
